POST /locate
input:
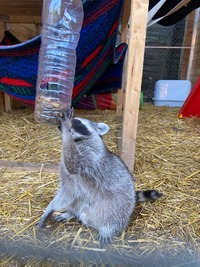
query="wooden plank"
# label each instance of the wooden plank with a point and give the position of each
(21, 7)
(20, 11)
(135, 58)
(196, 20)
(166, 47)
(120, 94)
(194, 79)
(196, 60)
(187, 42)
(26, 3)
(29, 166)
(21, 19)
(24, 32)
(198, 33)
(1, 30)
(8, 106)
(2, 101)
(125, 16)
(124, 33)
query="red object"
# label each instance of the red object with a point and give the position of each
(15, 82)
(191, 106)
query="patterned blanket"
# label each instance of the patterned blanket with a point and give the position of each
(99, 61)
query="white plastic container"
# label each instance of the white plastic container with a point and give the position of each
(172, 93)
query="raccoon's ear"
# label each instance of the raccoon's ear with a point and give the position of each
(102, 128)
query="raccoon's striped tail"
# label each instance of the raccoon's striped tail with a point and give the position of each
(142, 196)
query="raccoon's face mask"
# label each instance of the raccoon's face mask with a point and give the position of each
(81, 128)
(84, 129)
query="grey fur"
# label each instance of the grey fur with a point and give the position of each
(95, 185)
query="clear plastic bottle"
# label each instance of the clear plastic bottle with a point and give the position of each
(62, 21)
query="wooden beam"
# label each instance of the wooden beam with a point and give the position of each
(21, 19)
(8, 106)
(120, 94)
(1, 30)
(125, 19)
(135, 58)
(124, 34)
(29, 166)
(21, 8)
(194, 35)
(2, 101)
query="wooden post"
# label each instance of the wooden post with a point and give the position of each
(187, 43)
(2, 101)
(5, 104)
(1, 30)
(124, 33)
(135, 58)
(8, 106)
(194, 35)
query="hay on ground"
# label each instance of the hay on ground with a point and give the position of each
(167, 159)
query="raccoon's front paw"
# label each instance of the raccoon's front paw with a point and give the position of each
(67, 114)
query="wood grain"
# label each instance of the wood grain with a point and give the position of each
(135, 58)
(29, 166)
(21, 7)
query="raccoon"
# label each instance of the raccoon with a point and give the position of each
(95, 185)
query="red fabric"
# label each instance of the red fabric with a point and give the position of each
(15, 82)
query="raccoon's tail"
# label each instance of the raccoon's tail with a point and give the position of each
(142, 196)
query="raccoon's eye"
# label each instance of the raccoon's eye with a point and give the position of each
(77, 122)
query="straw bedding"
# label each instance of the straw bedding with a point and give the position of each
(162, 233)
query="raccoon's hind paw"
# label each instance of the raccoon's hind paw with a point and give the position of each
(64, 217)
(104, 240)
(40, 230)
(41, 225)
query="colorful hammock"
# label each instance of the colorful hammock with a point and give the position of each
(99, 61)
